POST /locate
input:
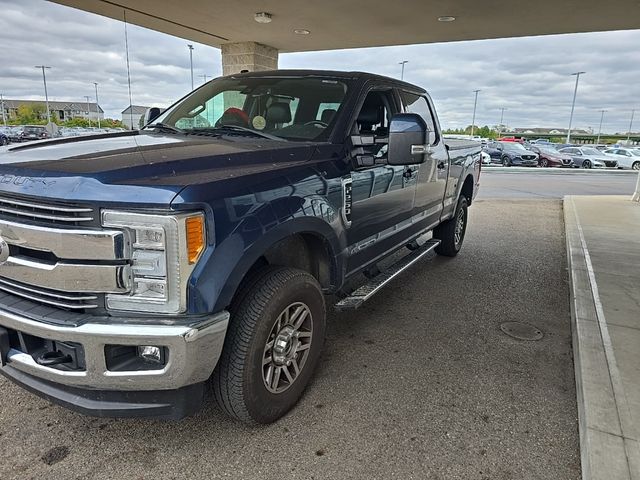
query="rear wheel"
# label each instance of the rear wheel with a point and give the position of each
(586, 164)
(272, 346)
(451, 233)
(636, 165)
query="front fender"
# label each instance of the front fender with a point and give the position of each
(219, 274)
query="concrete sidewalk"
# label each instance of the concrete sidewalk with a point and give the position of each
(603, 245)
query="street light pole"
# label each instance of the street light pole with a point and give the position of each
(4, 115)
(602, 112)
(475, 103)
(630, 125)
(402, 72)
(95, 84)
(46, 95)
(501, 119)
(573, 104)
(88, 110)
(191, 63)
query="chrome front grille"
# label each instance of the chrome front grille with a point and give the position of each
(35, 210)
(71, 301)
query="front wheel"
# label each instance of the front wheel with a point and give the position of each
(544, 163)
(272, 346)
(451, 233)
(586, 164)
(636, 166)
(506, 162)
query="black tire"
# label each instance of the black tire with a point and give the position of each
(446, 231)
(238, 381)
(506, 162)
(586, 164)
(544, 163)
(635, 165)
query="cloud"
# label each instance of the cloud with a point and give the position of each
(530, 76)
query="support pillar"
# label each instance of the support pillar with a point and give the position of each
(250, 56)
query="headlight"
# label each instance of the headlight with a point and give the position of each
(164, 251)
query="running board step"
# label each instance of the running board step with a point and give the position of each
(374, 285)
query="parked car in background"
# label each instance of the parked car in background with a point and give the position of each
(512, 154)
(4, 137)
(511, 139)
(485, 158)
(626, 157)
(15, 134)
(540, 141)
(550, 157)
(589, 157)
(34, 132)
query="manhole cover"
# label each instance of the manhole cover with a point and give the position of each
(521, 331)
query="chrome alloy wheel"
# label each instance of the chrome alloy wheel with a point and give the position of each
(287, 347)
(459, 231)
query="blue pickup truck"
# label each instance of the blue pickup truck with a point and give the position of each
(140, 269)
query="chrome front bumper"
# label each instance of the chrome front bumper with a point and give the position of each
(193, 351)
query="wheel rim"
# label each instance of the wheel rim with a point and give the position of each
(459, 230)
(287, 347)
(636, 166)
(543, 163)
(586, 164)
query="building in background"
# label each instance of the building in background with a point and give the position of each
(62, 111)
(132, 116)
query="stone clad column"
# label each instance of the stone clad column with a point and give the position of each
(250, 56)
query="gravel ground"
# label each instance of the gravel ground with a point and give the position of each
(418, 383)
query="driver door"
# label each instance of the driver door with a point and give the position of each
(382, 195)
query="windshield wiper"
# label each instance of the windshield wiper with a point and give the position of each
(232, 129)
(165, 128)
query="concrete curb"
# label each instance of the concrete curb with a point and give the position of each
(604, 450)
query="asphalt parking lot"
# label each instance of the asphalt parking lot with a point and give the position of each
(418, 383)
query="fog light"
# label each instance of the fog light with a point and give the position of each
(150, 353)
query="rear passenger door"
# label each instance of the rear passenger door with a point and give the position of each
(433, 173)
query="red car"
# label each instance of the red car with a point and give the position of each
(511, 139)
(550, 157)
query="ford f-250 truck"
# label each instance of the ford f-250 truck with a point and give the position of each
(138, 269)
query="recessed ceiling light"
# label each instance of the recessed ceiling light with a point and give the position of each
(301, 31)
(446, 18)
(262, 17)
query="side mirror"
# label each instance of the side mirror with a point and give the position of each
(151, 114)
(407, 139)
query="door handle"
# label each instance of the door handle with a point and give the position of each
(441, 165)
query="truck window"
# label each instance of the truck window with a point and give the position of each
(418, 104)
(373, 119)
(286, 107)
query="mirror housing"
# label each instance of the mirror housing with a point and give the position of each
(407, 139)
(151, 114)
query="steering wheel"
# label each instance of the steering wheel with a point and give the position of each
(317, 123)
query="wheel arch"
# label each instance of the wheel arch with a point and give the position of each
(307, 243)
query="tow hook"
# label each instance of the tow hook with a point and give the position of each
(49, 359)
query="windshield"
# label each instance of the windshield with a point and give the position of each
(288, 108)
(548, 150)
(514, 146)
(591, 151)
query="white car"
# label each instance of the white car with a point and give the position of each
(485, 157)
(626, 157)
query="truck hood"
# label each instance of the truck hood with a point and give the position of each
(139, 167)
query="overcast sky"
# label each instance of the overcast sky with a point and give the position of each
(529, 76)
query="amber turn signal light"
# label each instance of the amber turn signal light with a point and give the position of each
(195, 238)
